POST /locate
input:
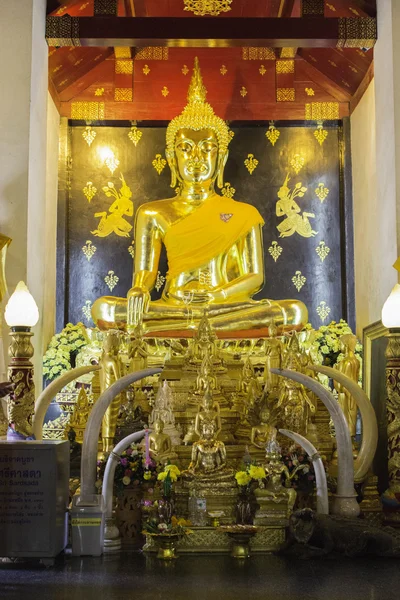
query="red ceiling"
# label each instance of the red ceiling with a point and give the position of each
(82, 73)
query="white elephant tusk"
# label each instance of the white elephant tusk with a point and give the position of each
(44, 400)
(319, 470)
(369, 442)
(345, 483)
(92, 431)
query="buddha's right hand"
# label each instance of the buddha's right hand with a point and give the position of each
(138, 304)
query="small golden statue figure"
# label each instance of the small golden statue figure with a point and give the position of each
(274, 493)
(273, 358)
(109, 373)
(208, 411)
(349, 366)
(137, 350)
(162, 411)
(160, 445)
(295, 221)
(295, 405)
(263, 433)
(208, 464)
(191, 435)
(213, 243)
(206, 378)
(80, 415)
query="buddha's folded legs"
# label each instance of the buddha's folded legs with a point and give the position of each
(110, 312)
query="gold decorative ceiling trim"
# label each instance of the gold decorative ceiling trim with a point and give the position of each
(123, 95)
(322, 111)
(62, 31)
(122, 52)
(285, 95)
(87, 111)
(254, 53)
(360, 32)
(124, 67)
(284, 66)
(211, 8)
(288, 52)
(152, 53)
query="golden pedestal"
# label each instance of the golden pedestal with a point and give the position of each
(217, 499)
(273, 510)
(210, 540)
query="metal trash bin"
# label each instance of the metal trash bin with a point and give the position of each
(87, 525)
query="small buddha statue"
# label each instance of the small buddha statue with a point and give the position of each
(79, 417)
(160, 445)
(264, 432)
(110, 372)
(162, 411)
(276, 470)
(295, 404)
(206, 377)
(208, 463)
(349, 366)
(209, 410)
(213, 243)
(137, 350)
(248, 379)
(273, 357)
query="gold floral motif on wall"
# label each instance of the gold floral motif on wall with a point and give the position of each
(243, 92)
(165, 91)
(89, 249)
(159, 281)
(309, 91)
(262, 70)
(322, 250)
(89, 191)
(320, 133)
(113, 221)
(131, 249)
(135, 135)
(321, 191)
(295, 221)
(89, 135)
(87, 310)
(159, 163)
(297, 163)
(185, 69)
(251, 163)
(323, 310)
(255, 53)
(223, 70)
(272, 133)
(146, 70)
(298, 280)
(228, 191)
(275, 250)
(111, 280)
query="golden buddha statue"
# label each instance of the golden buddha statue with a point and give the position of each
(80, 415)
(110, 372)
(160, 445)
(206, 378)
(208, 411)
(208, 463)
(264, 432)
(274, 493)
(349, 366)
(162, 411)
(213, 243)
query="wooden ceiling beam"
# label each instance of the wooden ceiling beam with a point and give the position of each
(105, 68)
(334, 89)
(205, 33)
(368, 77)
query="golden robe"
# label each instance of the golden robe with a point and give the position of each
(207, 232)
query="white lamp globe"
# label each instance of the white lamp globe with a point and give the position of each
(21, 309)
(391, 309)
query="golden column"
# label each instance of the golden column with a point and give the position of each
(20, 315)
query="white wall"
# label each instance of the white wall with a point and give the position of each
(375, 245)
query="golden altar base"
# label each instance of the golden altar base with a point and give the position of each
(209, 540)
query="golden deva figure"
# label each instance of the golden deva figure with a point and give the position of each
(213, 243)
(110, 372)
(349, 366)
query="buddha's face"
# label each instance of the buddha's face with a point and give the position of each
(158, 427)
(208, 431)
(196, 154)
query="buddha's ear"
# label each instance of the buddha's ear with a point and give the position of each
(221, 167)
(172, 165)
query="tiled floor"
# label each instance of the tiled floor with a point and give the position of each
(204, 577)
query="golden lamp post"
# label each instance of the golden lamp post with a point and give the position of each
(21, 314)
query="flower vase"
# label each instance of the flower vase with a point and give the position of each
(166, 545)
(166, 507)
(244, 510)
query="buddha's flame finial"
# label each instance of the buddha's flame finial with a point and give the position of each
(197, 91)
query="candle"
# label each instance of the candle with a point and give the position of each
(147, 446)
